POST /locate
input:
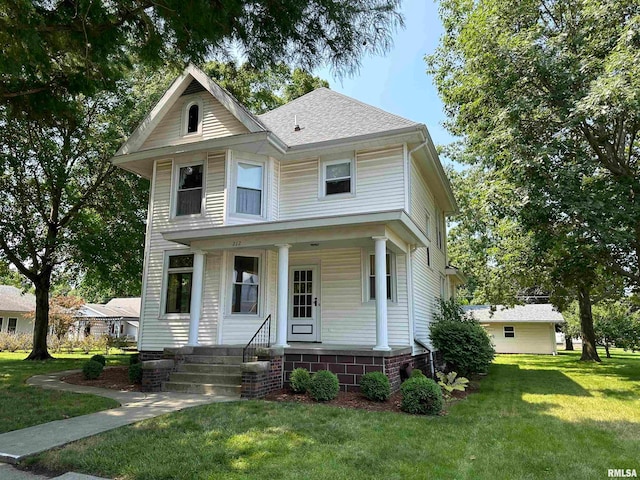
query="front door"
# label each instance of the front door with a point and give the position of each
(303, 304)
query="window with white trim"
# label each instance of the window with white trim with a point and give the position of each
(245, 285)
(178, 283)
(371, 277)
(249, 188)
(443, 287)
(12, 325)
(189, 189)
(337, 177)
(192, 118)
(509, 332)
(1, 319)
(439, 230)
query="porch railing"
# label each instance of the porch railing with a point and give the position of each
(260, 340)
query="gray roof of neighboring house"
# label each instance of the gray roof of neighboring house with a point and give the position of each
(325, 115)
(117, 307)
(533, 312)
(13, 300)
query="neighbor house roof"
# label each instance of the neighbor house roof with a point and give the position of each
(324, 115)
(12, 299)
(540, 312)
(117, 307)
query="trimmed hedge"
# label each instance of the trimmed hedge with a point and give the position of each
(92, 370)
(323, 386)
(375, 386)
(421, 395)
(100, 359)
(135, 373)
(299, 380)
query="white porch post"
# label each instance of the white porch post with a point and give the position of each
(283, 295)
(195, 306)
(382, 341)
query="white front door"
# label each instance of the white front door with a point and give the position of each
(303, 304)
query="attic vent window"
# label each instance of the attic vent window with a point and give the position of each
(192, 124)
(192, 119)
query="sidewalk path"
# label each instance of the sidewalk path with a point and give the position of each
(135, 406)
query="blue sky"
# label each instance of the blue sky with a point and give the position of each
(398, 82)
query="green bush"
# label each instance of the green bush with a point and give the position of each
(416, 372)
(100, 359)
(464, 344)
(92, 370)
(135, 358)
(135, 373)
(323, 386)
(421, 395)
(375, 386)
(299, 380)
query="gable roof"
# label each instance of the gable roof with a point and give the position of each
(324, 115)
(173, 93)
(13, 300)
(117, 307)
(533, 312)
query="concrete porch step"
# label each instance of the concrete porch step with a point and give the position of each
(220, 369)
(214, 359)
(218, 350)
(203, 389)
(206, 378)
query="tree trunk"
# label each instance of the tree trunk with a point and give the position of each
(568, 342)
(589, 352)
(606, 348)
(41, 322)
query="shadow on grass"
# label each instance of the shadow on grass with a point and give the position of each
(540, 382)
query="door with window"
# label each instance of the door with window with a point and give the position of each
(304, 304)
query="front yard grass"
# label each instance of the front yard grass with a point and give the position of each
(534, 417)
(22, 406)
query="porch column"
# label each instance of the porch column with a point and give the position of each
(195, 306)
(283, 295)
(382, 341)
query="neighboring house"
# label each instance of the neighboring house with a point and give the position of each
(15, 307)
(326, 215)
(118, 318)
(527, 328)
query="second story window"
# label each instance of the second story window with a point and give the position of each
(189, 192)
(338, 177)
(249, 189)
(439, 230)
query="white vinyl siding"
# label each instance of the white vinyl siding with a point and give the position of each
(530, 337)
(23, 324)
(217, 122)
(378, 182)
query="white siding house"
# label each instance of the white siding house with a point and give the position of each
(16, 308)
(326, 215)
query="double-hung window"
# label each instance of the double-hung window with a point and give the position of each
(509, 332)
(245, 285)
(179, 281)
(338, 177)
(249, 189)
(12, 324)
(372, 276)
(439, 230)
(189, 190)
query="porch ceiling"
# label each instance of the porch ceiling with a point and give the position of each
(320, 232)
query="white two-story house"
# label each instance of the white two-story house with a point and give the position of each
(325, 216)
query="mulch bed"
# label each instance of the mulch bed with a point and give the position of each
(115, 378)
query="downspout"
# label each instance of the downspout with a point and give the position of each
(433, 367)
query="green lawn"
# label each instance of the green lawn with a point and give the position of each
(534, 417)
(22, 406)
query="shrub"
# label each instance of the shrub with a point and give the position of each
(421, 395)
(417, 373)
(299, 380)
(375, 386)
(323, 386)
(135, 373)
(12, 342)
(100, 359)
(464, 344)
(92, 370)
(135, 358)
(451, 381)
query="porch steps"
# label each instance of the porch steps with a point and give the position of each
(215, 370)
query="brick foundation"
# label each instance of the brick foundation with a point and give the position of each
(145, 355)
(154, 372)
(262, 378)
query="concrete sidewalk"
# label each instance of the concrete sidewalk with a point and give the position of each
(8, 472)
(135, 406)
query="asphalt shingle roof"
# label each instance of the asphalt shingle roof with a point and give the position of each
(540, 312)
(117, 307)
(324, 115)
(13, 300)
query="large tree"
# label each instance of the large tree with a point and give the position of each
(546, 92)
